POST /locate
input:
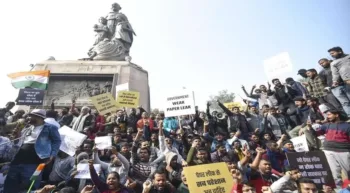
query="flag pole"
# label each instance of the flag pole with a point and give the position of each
(31, 186)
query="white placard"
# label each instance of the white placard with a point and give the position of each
(278, 65)
(300, 144)
(180, 103)
(104, 142)
(71, 140)
(84, 172)
(121, 87)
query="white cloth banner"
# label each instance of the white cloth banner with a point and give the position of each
(300, 144)
(278, 65)
(84, 172)
(103, 142)
(180, 103)
(71, 140)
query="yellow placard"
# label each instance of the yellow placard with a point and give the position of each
(209, 178)
(233, 104)
(104, 103)
(128, 99)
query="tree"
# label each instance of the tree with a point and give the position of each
(155, 111)
(224, 97)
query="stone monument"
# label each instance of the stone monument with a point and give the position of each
(108, 65)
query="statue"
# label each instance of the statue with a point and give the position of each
(108, 50)
(101, 30)
(124, 31)
(114, 37)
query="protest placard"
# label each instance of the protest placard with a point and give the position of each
(71, 140)
(209, 178)
(121, 87)
(104, 103)
(230, 105)
(84, 172)
(180, 103)
(128, 99)
(104, 142)
(300, 143)
(313, 165)
(277, 66)
(30, 97)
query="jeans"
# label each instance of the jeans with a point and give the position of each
(342, 93)
(18, 178)
(330, 101)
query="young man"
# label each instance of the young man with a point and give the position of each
(337, 144)
(158, 184)
(288, 182)
(340, 66)
(318, 90)
(338, 91)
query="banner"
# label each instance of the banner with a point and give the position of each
(181, 103)
(104, 103)
(313, 165)
(71, 140)
(209, 178)
(128, 99)
(84, 172)
(278, 65)
(104, 142)
(30, 97)
(300, 143)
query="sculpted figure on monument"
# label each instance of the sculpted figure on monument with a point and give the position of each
(101, 30)
(116, 43)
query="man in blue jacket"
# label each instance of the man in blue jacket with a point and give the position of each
(39, 143)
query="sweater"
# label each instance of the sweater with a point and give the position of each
(341, 68)
(337, 136)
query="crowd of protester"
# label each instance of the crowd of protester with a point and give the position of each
(150, 151)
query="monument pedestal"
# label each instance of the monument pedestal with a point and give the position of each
(81, 79)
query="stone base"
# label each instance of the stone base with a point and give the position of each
(81, 79)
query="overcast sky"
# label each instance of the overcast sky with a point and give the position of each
(202, 45)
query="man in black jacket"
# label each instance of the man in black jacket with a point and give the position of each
(285, 95)
(236, 121)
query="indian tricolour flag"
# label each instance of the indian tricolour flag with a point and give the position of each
(32, 79)
(37, 172)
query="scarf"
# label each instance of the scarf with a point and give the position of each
(79, 123)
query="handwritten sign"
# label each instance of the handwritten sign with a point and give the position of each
(313, 165)
(128, 99)
(209, 178)
(181, 103)
(300, 143)
(30, 97)
(71, 140)
(278, 65)
(104, 142)
(104, 103)
(84, 172)
(233, 104)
